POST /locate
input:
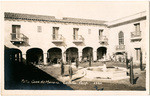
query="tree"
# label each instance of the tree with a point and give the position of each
(70, 70)
(131, 71)
(77, 62)
(90, 57)
(141, 67)
(62, 68)
(127, 61)
(70, 67)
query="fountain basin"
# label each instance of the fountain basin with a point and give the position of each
(108, 73)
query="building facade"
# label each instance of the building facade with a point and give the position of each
(45, 39)
(129, 36)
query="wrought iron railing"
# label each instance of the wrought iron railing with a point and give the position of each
(57, 37)
(78, 38)
(19, 37)
(103, 39)
(135, 34)
(120, 47)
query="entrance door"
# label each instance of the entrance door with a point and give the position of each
(137, 57)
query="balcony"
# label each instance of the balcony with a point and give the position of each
(57, 38)
(136, 36)
(103, 40)
(120, 48)
(19, 38)
(78, 39)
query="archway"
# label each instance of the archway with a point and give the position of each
(71, 53)
(15, 55)
(34, 55)
(86, 53)
(101, 52)
(120, 56)
(53, 55)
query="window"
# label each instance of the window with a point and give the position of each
(137, 28)
(89, 31)
(16, 31)
(39, 28)
(55, 32)
(75, 33)
(138, 50)
(121, 38)
(101, 32)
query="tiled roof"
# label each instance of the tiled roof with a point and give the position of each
(9, 15)
(79, 20)
(28, 16)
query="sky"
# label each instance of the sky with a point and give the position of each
(98, 10)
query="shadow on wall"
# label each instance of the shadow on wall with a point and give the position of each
(19, 75)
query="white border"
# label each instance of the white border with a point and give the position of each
(73, 92)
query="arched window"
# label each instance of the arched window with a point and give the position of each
(121, 38)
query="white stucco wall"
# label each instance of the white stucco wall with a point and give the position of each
(129, 46)
(43, 39)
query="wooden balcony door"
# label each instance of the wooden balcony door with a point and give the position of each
(16, 31)
(100, 33)
(55, 33)
(75, 33)
(137, 29)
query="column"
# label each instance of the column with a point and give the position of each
(24, 59)
(64, 56)
(21, 57)
(24, 56)
(45, 58)
(13, 57)
(94, 55)
(107, 55)
(80, 55)
(17, 57)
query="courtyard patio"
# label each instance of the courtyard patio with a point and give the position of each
(95, 78)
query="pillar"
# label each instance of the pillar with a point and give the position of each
(24, 57)
(80, 55)
(94, 54)
(13, 57)
(45, 58)
(21, 57)
(17, 57)
(64, 56)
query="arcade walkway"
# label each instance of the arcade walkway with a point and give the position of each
(28, 77)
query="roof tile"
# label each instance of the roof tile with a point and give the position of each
(9, 15)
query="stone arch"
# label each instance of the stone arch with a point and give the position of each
(34, 55)
(15, 55)
(101, 52)
(72, 54)
(54, 55)
(86, 53)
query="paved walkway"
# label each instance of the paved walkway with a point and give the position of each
(55, 72)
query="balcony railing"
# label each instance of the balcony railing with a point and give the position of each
(19, 38)
(120, 47)
(57, 38)
(103, 39)
(78, 39)
(136, 35)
